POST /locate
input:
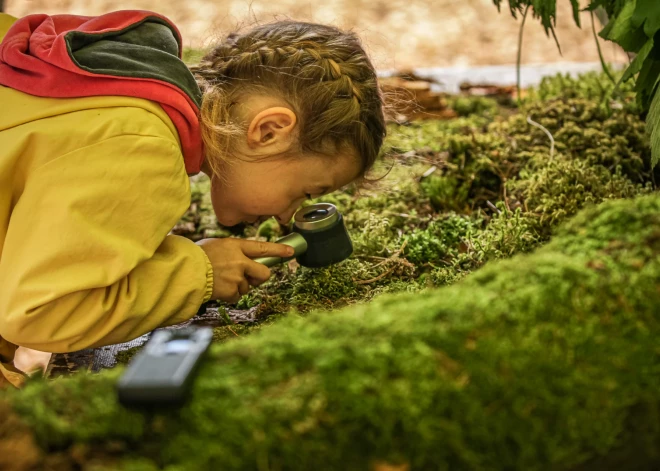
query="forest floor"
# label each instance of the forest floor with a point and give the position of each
(485, 183)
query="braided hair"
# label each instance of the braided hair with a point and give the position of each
(323, 73)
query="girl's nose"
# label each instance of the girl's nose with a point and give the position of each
(285, 217)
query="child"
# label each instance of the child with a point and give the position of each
(101, 126)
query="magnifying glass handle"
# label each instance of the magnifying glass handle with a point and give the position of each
(294, 240)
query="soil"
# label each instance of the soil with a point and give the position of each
(398, 34)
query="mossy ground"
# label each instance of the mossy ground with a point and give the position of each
(546, 361)
(460, 192)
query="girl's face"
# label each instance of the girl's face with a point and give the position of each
(262, 184)
(256, 190)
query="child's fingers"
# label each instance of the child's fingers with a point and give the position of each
(243, 287)
(254, 281)
(256, 272)
(255, 249)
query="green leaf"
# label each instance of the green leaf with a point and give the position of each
(646, 82)
(636, 65)
(576, 12)
(647, 12)
(546, 10)
(611, 7)
(655, 53)
(621, 30)
(554, 35)
(607, 29)
(653, 127)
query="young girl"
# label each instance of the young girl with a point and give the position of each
(101, 126)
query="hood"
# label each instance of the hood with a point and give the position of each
(126, 53)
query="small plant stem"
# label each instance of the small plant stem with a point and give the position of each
(506, 203)
(382, 275)
(600, 53)
(520, 39)
(372, 257)
(552, 139)
(381, 263)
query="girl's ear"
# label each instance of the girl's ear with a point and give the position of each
(272, 130)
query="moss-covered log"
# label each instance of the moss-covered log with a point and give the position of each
(548, 361)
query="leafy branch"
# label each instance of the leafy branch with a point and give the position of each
(635, 26)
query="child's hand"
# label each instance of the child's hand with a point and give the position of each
(233, 268)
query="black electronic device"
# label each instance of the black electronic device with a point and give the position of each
(161, 374)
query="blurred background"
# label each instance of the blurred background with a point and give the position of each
(399, 34)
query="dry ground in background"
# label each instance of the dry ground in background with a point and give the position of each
(398, 33)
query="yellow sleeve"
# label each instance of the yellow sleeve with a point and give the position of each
(87, 260)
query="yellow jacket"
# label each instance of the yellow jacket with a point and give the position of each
(89, 189)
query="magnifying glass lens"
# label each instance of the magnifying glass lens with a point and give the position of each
(316, 214)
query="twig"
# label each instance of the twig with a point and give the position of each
(392, 258)
(428, 172)
(232, 331)
(403, 215)
(373, 257)
(506, 203)
(493, 207)
(504, 180)
(552, 139)
(447, 264)
(382, 263)
(365, 282)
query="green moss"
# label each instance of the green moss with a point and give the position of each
(447, 193)
(593, 86)
(200, 189)
(441, 240)
(229, 332)
(269, 229)
(469, 105)
(465, 167)
(507, 233)
(458, 245)
(342, 200)
(562, 187)
(443, 276)
(430, 134)
(352, 281)
(583, 130)
(544, 361)
(376, 237)
(192, 56)
(125, 356)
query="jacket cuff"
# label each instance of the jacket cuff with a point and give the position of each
(209, 279)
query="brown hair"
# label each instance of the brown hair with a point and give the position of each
(323, 73)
